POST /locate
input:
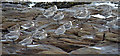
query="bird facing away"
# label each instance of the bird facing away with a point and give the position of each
(54, 8)
(48, 13)
(58, 16)
(14, 28)
(82, 14)
(60, 30)
(28, 25)
(40, 35)
(68, 25)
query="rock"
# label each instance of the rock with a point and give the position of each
(85, 51)
(1, 26)
(112, 37)
(61, 44)
(26, 14)
(33, 10)
(51, 52)
(0, 46)
(40, 17)
(93, 18)
(99, 35)
(72, 31)
(11, 48)
(82, 33)
(94, 11)
(107, 48)
(12, 5)
(116, 31)
(48, 49)
(65, 36)
(75, 41)
(8, 24)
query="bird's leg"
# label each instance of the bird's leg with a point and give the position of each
(59, 35)
(13, 41)
(58, 22)
(109, 29)
(103, 36)
(49, 20)
(32, 42)
(93, 32)
(81, 25)
(26, 47)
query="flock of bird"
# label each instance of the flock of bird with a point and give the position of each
(15, 32)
